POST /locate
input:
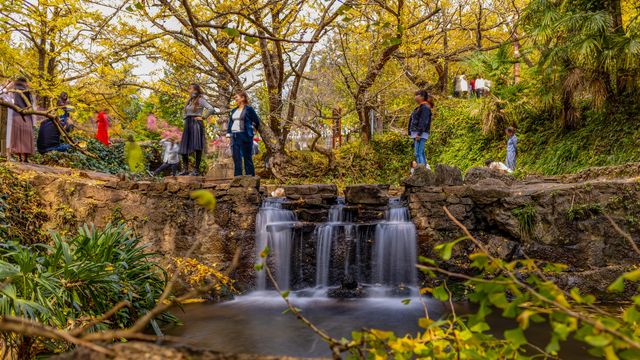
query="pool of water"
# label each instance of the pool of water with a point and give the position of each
(256, 323)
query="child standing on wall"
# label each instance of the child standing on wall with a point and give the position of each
(170, 156)
(512, 148)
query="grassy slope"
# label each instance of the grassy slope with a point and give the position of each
(605, 139)
(457, 139)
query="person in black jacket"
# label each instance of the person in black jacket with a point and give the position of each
(420, 125)
(49, 137)
(242, 121)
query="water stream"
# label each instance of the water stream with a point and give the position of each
(377, 257)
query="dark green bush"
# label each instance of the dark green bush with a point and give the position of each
(81, 277)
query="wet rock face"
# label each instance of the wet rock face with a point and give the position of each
(367, 195)
(547, 220)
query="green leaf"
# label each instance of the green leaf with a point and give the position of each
(600, 340)
(129, 8)
(406, 301)
(632, 276)
(480, 327)
(265, 252)
(258, 267)
(445, 249)
(631, 315)
(554, 346)
(250, 39)
(232, 32)
(440, 293)
(617, 285)
(426, 260)
(139, 6)
(516, 337)
(285, 294)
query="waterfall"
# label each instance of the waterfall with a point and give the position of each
(325, 235)
(394, 252)
(342, 251)
(274, 227)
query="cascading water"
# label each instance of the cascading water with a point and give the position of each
(395, 253)
(274, 227)
(338, 252)
(325, 235)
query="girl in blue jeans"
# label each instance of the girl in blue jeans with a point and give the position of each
(243, 120)
(420, 125)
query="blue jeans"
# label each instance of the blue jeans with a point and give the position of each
(418, 147)
(242, 149)
(61, 148)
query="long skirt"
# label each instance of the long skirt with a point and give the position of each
(192, 136)
(22, 135)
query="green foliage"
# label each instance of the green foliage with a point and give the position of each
(385, 159)
(77, 278)
(110, 158)
(21, 210)
(519, 290)
(583, 211)
(526, 216)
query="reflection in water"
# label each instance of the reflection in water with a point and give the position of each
(256, 324)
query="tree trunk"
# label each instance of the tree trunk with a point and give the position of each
(516, 65)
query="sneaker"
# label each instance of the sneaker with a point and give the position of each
(194, 173)
(184, 173)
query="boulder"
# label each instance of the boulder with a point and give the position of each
(444, 175)
(245, 181)
(448, 175)
(476, 174)
(367, 194)
(421, 177)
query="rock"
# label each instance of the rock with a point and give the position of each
(444, 175)
(245, 182)
(476, 174)
(448, 175)
(487, 191)
(343, 293)
(367, 194)
(421, 177)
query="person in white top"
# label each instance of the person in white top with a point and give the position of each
(497, 165)
(170, 156)
(464, 86)
(479, 87)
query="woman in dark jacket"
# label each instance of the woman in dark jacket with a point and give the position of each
(242, 121)
(420, 125)
(196, 111)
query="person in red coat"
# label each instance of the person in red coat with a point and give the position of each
(103, 125)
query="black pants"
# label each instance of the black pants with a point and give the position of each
(242, 149)
(174, 168)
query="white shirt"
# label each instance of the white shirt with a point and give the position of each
(480, 83)
(464, 85)
(235, 126)
(170, 154)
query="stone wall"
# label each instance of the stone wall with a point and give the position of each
(160, 211)
(546, 218)
(553, 221)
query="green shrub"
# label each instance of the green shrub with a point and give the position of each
(78, 278)
(583, 211)
(526, 216)
(22, 214)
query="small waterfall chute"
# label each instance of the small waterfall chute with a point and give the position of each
(274, 228)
